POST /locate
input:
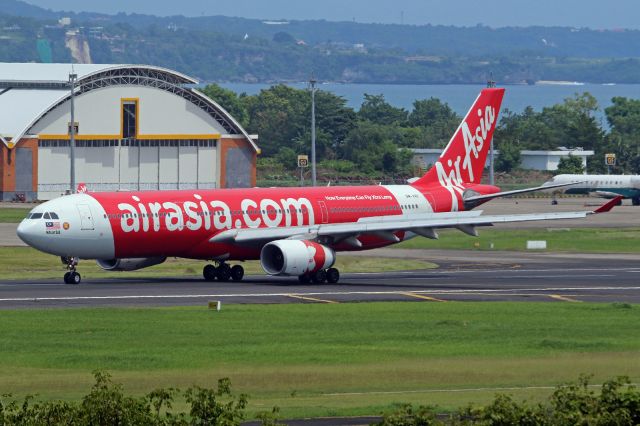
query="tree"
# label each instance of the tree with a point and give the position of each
(229, 100)
(428, 112)
(509, 157)
(377, 110)
(284, 38)
(624, 138)
(570, 165)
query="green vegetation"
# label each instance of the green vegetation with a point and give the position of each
(323, 359)
(25, 262)
(224, 48)
(584, 240)
(372, 144)
(12, 215)
(618, 403)
(107, 404)
(570, 165)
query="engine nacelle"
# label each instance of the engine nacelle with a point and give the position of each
(295, 257)
(131, 264)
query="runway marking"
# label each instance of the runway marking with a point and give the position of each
(564, 298)
(492, 271)
(523, 276)
(420, 296)
(313, 299)
(496, 291)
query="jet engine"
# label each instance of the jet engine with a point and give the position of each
(295, 257)
(131, 264)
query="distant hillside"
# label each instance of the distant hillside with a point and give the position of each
(219, 48)
(428, 39)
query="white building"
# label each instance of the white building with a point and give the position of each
(137, 127)
(531, 160)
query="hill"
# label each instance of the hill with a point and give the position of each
(219, 48)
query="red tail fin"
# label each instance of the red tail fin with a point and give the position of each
(463, 160)
(82, 188)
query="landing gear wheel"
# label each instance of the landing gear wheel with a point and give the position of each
(319, 277)
(333, 275)
(635, 201)
(619, 203)
(304, 279)
(224, 272)
(72, 278)
(237, 273)
(209, 272)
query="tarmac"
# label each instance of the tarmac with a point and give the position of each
(462, 275)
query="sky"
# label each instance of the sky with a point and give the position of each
(597, 14)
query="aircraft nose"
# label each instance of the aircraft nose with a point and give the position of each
(25, 232)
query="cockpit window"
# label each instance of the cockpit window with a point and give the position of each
(36, 215)
(54, 215)
(46, 215)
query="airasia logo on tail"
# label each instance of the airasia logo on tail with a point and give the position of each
(455, 173)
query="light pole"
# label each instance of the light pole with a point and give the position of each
(313, 82)
(72, 135)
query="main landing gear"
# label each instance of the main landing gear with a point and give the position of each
(331, 276)
(72, 276)
(223, 272)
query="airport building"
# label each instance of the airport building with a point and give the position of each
(137, 127)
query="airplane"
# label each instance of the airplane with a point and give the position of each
(605, 186)
(292, 231)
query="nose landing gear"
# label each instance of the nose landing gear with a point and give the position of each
(72, 276)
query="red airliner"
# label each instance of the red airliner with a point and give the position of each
(292, 231)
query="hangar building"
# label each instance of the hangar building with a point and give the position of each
(137, 127)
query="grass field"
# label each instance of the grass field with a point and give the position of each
(584, 240)
(316, 360)
(25, 262)
(12, 215)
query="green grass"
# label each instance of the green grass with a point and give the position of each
(584, 240)
(305, 357)
(12, 215)
(25, 262)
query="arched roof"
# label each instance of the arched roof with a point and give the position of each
(28, 92)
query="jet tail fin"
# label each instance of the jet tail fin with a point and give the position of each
(463, 160)
(81, 188)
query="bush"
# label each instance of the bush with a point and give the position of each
(618, 403)
(106, 404)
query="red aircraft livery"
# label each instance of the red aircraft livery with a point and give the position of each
(292, 231)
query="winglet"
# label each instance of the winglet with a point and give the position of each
(608, 205)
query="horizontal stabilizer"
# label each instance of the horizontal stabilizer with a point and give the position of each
(475, 200)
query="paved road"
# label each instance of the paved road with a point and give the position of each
(482, 277)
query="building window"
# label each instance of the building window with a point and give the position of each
(76, 128)
(129, 119)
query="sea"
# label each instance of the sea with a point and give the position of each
(460, 96)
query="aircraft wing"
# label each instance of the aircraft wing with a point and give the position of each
(384, 226)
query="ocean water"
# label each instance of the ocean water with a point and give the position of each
(460, 97)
